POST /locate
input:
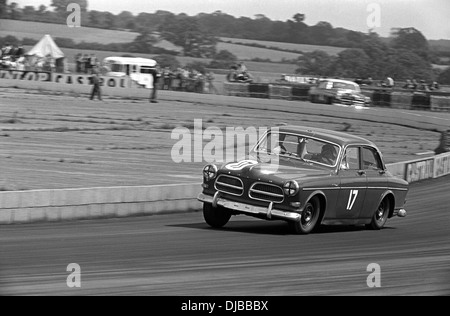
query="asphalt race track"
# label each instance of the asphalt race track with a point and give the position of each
(179, 255)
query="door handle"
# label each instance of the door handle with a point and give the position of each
(361, 172)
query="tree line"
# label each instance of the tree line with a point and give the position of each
(406, 54)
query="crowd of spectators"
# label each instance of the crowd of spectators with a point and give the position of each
(185, 79)
(410, 84)
(12, 57)
(239, 73)
(421, 85)
(86, 64)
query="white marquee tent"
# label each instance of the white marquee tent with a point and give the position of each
(46, 47)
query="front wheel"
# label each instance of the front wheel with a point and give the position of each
(309, 218)
(216, 217)
(380, 217)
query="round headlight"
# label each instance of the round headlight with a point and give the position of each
(209, 172)
(291, 188)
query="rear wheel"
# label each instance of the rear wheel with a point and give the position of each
(309, 218)
(215, 216)
(381, 215)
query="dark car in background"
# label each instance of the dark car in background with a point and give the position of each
(306, 177)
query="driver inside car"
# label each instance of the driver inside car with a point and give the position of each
(328, 154)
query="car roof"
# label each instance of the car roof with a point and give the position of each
(339, 80)
(340, 138)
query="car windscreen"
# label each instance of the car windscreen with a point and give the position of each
(343, 85)
(299, 147)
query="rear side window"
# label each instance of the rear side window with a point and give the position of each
(351, 159)
(371, 159)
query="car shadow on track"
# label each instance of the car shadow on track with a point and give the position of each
(272, 228)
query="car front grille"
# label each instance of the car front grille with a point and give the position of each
(229, 184)
(266, 192)
(351, 99)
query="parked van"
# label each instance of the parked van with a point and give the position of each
(140, 70)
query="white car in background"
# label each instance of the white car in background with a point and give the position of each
(339, 91)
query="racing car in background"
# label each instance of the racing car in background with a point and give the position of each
(339, 91)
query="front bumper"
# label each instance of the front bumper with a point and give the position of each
(248, 209)
(350, 100)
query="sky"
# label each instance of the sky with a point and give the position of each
(431, 17)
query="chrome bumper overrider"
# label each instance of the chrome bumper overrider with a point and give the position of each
(269, 212)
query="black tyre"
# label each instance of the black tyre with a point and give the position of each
(381, 215)
(309, 219)
(215, 216)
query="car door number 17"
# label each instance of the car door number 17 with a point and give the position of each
(352, 199)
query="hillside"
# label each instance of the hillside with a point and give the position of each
(35, 30)
(286, 46)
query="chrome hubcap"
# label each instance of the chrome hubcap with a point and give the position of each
(380, 212)
(308, 214)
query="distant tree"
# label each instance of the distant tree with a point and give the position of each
(315, 63)
(299, 17)
(223, 60)
(14, 11)
(167, 61)
(322, 32)
(60, 6)
(125, 20)
(352, 63)
(225, 55)
(444, 77)
(95, 18)
(3, 8)
(144, 42)
(197, 44)
(405, 64)
(28, 11)
(109, 20)
(42, 9)
(410, 39)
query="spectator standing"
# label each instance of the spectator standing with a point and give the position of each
(435, 85)
(156, 75)
(167, 77)
(86, 63)
(423, 86)
(210, 78)
(20, 51)
(92, 63)
(6, 51)
(78, 63)
(96, 89)
(389, 82)
(408, 84)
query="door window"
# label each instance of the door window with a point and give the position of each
(351, 159)
(371, 159)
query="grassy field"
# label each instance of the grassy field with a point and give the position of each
(288, 46)
(58, 141)
(248, 53)
(37, 30)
